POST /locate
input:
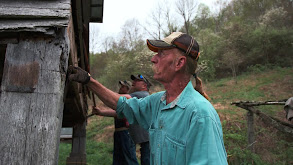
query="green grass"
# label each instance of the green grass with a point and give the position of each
(272, 147)
(64, 151)
(98, 152)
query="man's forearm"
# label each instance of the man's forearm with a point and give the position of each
(109, 113)
(107, 96)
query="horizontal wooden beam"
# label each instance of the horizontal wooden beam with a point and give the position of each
(48, 4)
(33, 16)
(44, 26)
(258, 103)
(31, 13)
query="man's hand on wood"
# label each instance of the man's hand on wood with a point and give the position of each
(79, 75)
(97, 111)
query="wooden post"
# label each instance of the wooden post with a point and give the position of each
(268, 120)
(31, 99)
(250, 131)
(78, 152)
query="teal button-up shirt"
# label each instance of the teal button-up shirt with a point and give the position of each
(185, 131)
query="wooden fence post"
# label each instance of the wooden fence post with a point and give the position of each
(250, 131)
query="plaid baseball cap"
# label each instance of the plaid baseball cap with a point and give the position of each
(182, 41)
(141, 77)
(125, 83)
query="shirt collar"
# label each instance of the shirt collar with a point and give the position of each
(179, 101)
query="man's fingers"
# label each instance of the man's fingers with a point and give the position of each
(72, 69)
(96, 110)
(79, 75)
(72, 77)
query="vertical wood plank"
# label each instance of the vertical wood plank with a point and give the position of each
(31, 121)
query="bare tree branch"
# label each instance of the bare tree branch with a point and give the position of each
(94, 35)
(186, 8)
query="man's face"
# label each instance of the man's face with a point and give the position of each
(123, 89)
(138, 85)
(163, 65)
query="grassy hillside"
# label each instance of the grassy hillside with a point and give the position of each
(272, 146)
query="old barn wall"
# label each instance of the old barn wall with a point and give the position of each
(31, 99)
(34, 15)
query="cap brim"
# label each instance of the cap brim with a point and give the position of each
(133, 77)
(156, 45)
(144, 80)
(122, 83)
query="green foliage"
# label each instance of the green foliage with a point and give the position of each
(272, 146)
(286, 157)
(210, 43)
(120, 66)
(242, 35)
(99, 153)
(97, 126)
(64, 151)
(98, 62)
(239, 156)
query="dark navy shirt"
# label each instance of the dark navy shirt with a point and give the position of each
(137, 133)
(120, 122)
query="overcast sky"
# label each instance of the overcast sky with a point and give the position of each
(117, 12)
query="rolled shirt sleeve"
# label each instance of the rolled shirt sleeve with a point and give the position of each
(135, 110)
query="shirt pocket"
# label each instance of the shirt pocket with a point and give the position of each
(174, 151)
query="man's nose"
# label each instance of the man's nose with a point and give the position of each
(154, 59)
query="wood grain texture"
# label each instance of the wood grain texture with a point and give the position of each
(33, 15)
(31, 25)
(22, 13)
(31, 121)
(41, 4)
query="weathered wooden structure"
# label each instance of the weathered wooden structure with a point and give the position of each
(269, 120)
(38, 40)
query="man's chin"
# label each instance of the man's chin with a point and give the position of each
(156, 77)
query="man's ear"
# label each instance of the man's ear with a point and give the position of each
(145, 86)
(180, 62)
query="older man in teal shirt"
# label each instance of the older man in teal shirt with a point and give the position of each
(183, 126)
(186, 131)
